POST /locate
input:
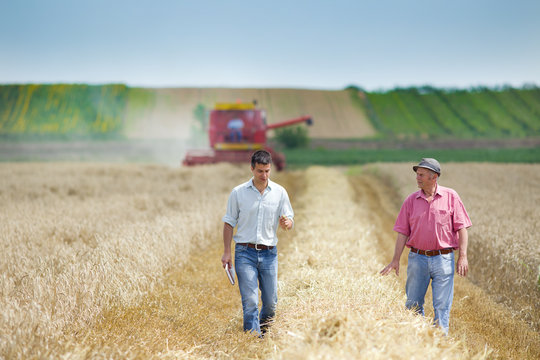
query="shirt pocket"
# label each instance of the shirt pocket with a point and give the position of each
(443, 219)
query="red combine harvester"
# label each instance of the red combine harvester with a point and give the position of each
(235, 131)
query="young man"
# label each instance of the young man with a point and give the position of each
(256, 208)
(433, 223)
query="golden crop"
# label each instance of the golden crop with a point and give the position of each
(123, 261)
(80, 238)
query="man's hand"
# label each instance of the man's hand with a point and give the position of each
(462, 265)
(285, 222)
(400, 244)
(226, 259)
(393, 265)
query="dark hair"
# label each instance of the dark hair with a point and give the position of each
(261, 157)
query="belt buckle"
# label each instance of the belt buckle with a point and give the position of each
(256, 248)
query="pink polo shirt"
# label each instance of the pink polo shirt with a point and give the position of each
(432, 226)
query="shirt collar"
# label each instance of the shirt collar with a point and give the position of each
(420, 193)
(252, 184)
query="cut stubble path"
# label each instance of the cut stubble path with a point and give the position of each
(330, 306)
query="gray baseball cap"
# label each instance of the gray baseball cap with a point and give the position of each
(430, 164)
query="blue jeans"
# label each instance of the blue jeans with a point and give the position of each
(438, 269)
(236, 135)
(256, 269)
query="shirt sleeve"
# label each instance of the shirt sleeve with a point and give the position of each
(461, 218)
(286, 208)
(231, 217)
(402, 224)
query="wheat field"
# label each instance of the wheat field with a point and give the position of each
(123, 261)
(80, 238)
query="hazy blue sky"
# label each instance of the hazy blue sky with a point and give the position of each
(305, 44)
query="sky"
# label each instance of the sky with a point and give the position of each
(373, 44)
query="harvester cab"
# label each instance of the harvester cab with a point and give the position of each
(235, 131)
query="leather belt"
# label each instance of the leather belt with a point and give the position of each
(256, 246)
(432, 252)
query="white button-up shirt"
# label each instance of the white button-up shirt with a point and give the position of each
(257, 215)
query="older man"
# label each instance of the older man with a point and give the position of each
(433, 223)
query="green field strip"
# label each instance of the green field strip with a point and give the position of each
(385, 110)
(442, 124)
(8, 95)
(515, 110)
(479, 121)
(380, 109)
(422, 114)
(531, 97)
(59, 110)
(448, 118)
(483, 101)
(328, 157)
(516, 126)
(361, 101)
(390, 112)
(16, 105)
(524, 110)
(415, 127)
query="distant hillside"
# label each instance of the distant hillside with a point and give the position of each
(32, 111)
(109, 111)
(434, 113)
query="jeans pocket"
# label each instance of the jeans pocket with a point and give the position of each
(447, 257)
(240, 248)
(447, 263)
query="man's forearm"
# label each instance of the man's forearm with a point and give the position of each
(463, 241)
(400, 245)
(394, 264)
(227, 237)
(463, 263)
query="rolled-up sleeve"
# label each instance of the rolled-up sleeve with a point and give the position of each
(461, 218)
(286, 208)
(231, 217)
(402, 224)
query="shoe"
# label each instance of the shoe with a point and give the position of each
(264, 328)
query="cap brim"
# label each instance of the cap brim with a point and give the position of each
(425, 167)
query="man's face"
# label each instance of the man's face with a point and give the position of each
(261, 172)
(424, 177)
